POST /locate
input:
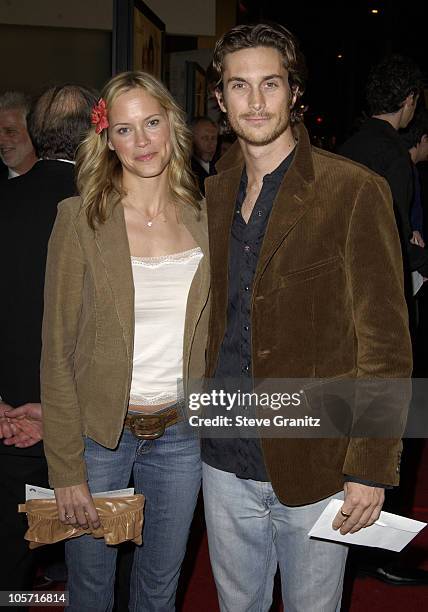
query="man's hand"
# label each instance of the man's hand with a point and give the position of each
(417, 239)
(76, 506)
(361, 507)
(26, 425)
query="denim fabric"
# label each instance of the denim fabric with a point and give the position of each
(250, 532)
(168, 472)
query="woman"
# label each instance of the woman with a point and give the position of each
(125, 321)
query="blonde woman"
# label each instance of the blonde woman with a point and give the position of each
(124, 327)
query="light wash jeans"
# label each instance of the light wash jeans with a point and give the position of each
(168, 472)
(250, 532)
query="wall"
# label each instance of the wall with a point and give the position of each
(34, 57)
(43, 42)
(49, 41)
(226, 13)
(177, 70)
(189, 17)
(89, 14)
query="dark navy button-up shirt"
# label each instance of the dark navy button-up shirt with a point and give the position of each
(243, 456)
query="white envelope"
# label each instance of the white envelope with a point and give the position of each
(35, 492)
(417, 281)
(390, 531)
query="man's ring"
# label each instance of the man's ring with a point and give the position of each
(341, 512)
(69, 516)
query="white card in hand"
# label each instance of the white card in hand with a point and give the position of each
(117, 493)
(417, 281)
(390, 531)
(35, 492)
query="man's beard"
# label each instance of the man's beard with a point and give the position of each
(263, 138)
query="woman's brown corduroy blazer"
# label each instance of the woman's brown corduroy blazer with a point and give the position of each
(88, 333)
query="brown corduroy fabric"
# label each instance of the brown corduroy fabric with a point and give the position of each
(88, 332)
(328, 301)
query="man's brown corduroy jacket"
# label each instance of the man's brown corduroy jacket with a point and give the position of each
(327, 302)
(88, 333)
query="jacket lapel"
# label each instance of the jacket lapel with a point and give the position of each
(197, 229)
(291, 202)
(221, 194)
(199, 289)
(112, 243)
(198, 294)
(290, 205)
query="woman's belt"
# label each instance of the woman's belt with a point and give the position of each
(152, 426)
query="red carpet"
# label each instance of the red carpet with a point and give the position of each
(197, 590)
(361, 594)
(370, 594)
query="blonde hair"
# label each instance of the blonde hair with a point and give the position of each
(99, 171)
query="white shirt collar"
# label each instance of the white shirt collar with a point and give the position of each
(205, 165)
(67, 161)
(12, 173)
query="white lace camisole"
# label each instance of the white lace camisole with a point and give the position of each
(161, 288)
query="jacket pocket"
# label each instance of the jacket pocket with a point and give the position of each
(311, 272)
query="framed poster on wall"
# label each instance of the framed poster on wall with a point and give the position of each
(138, 38)
(196, 90)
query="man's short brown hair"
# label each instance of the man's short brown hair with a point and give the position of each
(274, 36)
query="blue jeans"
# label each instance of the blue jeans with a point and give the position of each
(168, 472)
(250, 532)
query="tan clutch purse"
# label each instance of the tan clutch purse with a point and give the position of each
(121, 520)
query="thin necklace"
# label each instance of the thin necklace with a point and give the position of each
(149, 223)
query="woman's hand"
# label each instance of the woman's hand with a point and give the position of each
(76, 506)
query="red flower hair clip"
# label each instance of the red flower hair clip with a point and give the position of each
(99, 116)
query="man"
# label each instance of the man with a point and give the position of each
(16, 149)
(392, 93)
(57, 122)
(415, 139)
(205, 136)
(306, 283)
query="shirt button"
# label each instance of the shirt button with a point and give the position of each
(245, 368)
(259, 213)
(246, 248)
(246, 327)
(246, 288)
